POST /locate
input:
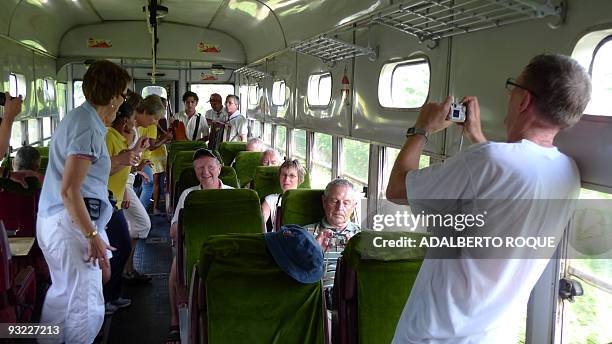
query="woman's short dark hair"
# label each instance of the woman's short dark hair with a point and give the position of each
(103, 81)
(125, 111)
(297, 166)
(190, 94)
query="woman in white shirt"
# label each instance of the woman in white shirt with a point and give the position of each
(291, 174)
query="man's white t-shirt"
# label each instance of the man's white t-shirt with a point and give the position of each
(181, 201)
(193, 125)
(470, 300)
(238, 126)
(216, 116)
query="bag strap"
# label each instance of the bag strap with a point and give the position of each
(195, 133)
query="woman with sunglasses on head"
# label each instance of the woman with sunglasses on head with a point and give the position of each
(74, 207)
(290, 176)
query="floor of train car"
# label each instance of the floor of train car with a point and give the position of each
(148, 318)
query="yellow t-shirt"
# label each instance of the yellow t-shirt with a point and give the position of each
(150, 132)
(116, 143)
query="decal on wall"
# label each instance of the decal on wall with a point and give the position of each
(208, 77)
(99, 43)
(209, 48)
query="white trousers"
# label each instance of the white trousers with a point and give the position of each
(74, 301)
(139, 223)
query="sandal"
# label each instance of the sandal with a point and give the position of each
(174, 335)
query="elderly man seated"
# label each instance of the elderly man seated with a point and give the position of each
(207, 168)
(336, 228)
(28, 159)
(255, 145)
(270, 158)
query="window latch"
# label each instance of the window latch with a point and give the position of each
(569, 288)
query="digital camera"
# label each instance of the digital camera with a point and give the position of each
(457, 113)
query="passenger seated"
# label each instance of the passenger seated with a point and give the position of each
(207, 168)
(255, 145)
(335, 229)
(27, 159)
(291, 174)
(270, 158)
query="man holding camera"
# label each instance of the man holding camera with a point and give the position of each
(461, 298)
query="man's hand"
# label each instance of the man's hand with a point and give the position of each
(323, 238)
(142, 144)
(432, 116)
(12, 107)
(472, 127)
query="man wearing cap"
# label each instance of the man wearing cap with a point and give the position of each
(336, 228)
(216, 113)
(207, 168)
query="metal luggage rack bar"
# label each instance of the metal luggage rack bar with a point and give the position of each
(431, 20)
(250, 72)
(331, 49)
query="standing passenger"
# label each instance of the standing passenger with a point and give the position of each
(159, 157)
(74, 207)
(216, 112)
(236, 122)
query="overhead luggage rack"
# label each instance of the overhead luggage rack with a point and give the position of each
(331, 49)
(431, 20)
(250, 72)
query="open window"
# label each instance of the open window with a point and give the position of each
(404, 84)
(319, 89)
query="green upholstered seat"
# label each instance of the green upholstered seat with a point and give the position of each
(179, 146)
(212, 212)
(229, 150)
(266, 181)
(381, 280)
(188, 179)
(183, 160)
(44, 151)
(245, 165)
(250, 300)
(302, 207)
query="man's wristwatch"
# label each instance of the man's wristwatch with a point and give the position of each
(417, 131)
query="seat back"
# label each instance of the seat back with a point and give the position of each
(213, 212)
(180, 146)
(302, 207)
(183, 160)
(372, 286)
(266, 181)
(229, 150)
(245, 165)
(247, 298)
(19, 206)
(188, 179)
(44, 151)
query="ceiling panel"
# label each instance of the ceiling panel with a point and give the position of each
(44, 22)
(6, 8)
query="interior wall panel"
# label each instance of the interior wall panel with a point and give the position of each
(44, 68)
(372, 121)
(20, 60)
(282, 67)
(256, 104)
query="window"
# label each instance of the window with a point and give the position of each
(321, 172)
(601, 78)
(16, 135)
(255, 128)
(61, 99)
(77, 93)
(17, 85)
(244, 96)
(404, 84)
(319, 89)
(205, 90)
(299, 146)
(267, 135)
(278, 93)
(390, 157)
(33, 131)
(160, 91)
(254, 94)
(281, 140)
(48, 90)
(47, 125)
(355, 162)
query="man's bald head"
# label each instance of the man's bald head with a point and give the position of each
(270, 158)
(255, 145)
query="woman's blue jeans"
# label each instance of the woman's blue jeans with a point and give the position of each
(147, 188)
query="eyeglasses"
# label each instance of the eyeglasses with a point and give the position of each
(125, 97)
(511, 84)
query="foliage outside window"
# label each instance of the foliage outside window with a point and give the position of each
(321, 172)
(404, 84)
(281, 140)
(299, 146)
(32, 131)
(390, 157)
(61, 100)
(255, 129)
(267, 134)
(355, 162)
(16, 135)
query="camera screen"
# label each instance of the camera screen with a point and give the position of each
(456, 113)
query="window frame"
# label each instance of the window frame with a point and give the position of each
(20, 80)
(604, 41)
(46, 95)
(320, 75)
(257, 94)
(411, 61)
